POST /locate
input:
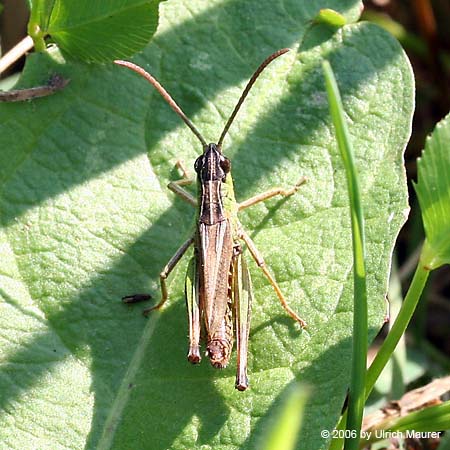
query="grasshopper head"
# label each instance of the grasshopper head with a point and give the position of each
(212, 165)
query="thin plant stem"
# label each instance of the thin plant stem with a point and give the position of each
(9, 58)
(398, 328)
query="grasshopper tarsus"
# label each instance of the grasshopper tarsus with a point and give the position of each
(136, 298)
(294, 315)
(147, 311)
(292, 190)
(241, 384)
(299, 183)
(182, 168)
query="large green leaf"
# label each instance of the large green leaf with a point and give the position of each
(87, 218)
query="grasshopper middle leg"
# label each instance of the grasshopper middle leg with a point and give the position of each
(178, 188)
(166, 271)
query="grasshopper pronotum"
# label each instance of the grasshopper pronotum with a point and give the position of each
(218, 285)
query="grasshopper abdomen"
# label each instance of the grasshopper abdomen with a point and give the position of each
(220, 344)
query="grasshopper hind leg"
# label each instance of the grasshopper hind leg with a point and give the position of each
(242, 302)
(262, 265)
(193, 308)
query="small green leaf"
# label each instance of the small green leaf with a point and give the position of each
(95, 31)
(433, 190)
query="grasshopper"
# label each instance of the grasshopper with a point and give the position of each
(218, 286)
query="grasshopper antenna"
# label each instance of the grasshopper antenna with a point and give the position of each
(164, 94)
(252, 80)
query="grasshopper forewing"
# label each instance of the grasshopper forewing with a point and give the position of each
(218, 287)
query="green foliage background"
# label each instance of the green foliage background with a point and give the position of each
(86, 218)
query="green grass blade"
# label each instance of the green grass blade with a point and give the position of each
(428, 420)
(433, 418)
(357, 384)
(284, 432)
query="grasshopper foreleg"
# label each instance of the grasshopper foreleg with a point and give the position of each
(262, 265)
(271, 193)
(178, 186)
(165, 273)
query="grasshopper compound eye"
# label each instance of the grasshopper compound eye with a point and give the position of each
(198, 164)
(225, 164)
